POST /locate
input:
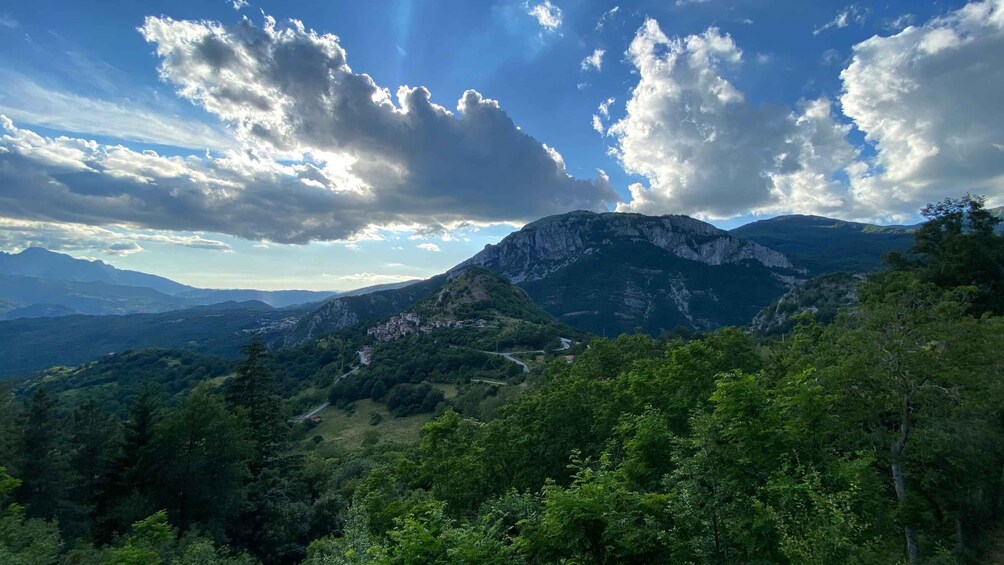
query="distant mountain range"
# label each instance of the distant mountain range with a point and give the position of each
(40, 263)
(604, 273)
(40, 283)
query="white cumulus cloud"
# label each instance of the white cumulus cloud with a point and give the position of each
(929, 99)
(593, 61)
(704, 149)
(925, 98)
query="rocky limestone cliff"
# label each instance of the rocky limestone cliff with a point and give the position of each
(614, 272)
(607, 273)
(544, 246)
(823, 296)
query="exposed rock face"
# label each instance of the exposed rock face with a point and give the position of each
(544, 246)
(607, 273)
(617, 272)
(333, 315)
(823, 296)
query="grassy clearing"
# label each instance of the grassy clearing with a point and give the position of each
(353, 429)
(449, 389)
(217, 381)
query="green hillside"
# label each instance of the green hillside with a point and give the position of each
(626, 285)
(115, 380)
(823, 296)
(480, 293)
(825, 245)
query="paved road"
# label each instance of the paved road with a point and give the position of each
(340, 377)
(489, 381)
(317, 409)
(565, 343)
(513, 359)
(314, 411)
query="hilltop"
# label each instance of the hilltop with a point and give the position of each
(480, 293)
(825, 245)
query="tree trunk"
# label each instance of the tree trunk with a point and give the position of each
(960, 538)
(714, 519)
(912, 551)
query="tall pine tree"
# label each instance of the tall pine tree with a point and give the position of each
(9, 429)
(274, 521)
(134, 471)
(253, 392)
(94, 442)
(44, 462)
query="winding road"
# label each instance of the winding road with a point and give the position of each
(317, 409)
(513, 359)
(565, 344)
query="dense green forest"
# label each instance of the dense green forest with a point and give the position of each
(877, 437)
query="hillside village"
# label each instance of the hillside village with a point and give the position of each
(409, 322)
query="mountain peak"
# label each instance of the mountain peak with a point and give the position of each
(616, 272)
(40, 253)
(42, 263)
(34, 250)
(551, 243)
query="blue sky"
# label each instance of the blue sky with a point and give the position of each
(172, 138)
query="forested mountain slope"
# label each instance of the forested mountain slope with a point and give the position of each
(825, 245)
(614, 272)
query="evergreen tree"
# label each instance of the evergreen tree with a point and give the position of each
(202, 462)
(94, 443)
(9, 430)
(44, 462)
(275, 517)
(253, 392)
(133, 473)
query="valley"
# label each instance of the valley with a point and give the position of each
(502, 282)
(603, 274)
(574, 354)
